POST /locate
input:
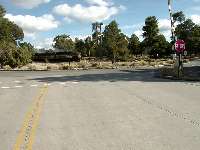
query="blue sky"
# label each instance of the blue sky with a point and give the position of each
(44, 19)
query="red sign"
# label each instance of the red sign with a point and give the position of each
(180, 46)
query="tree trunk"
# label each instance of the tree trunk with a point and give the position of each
(114, 58)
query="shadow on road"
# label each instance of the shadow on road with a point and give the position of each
(144, 75)
(193, 71)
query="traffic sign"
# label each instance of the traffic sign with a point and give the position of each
(185, 53)
(180, 46)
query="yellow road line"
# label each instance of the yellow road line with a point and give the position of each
(27, 132)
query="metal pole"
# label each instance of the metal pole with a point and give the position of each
(172, 21)
(179, 62)
(174, 36)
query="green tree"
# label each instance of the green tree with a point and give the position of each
(63, 42)
(80, 47)
(28, 46)
(114, 41)
(151, 28)
(7, 52)
(185, 32)
(195, 40)
(122, 47)
(150, 34)
(178, 17)
(154, 43)
(12, 51)
(134, 45)
(160, 46)
(10, 31)
(90, 48)
(14, 56)
(2, 11)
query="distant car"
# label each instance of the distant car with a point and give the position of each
(57, 57)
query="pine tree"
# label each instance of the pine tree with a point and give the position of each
(114, 41)
(134, 45)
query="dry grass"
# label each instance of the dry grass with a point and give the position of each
(53, 67)
(37, 66)
(7, 67)
(86, 64)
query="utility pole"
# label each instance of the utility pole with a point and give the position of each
(172, 24)
(178, 64)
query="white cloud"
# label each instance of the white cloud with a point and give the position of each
(100, 2)
(134, 26)
(82, 37)
(164, 25)
(32, 24)
(195, 19)
(98, 10)
(29, 4)
(139, 33)
(46, 43)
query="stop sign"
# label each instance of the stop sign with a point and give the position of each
(180, 46)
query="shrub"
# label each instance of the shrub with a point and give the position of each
(14, 56)
(82, 65)
(65, 67)
(7, 67)
(143, 63)
(95, 65)
(52, 67)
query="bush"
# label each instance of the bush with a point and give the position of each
(14, 56)
(7, 67)
(65, 67)
(52, 67)
(95, 65)
(82, 65)
(143, 63)
(36, 66)
(152, 63)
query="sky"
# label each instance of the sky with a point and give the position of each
(42, 20)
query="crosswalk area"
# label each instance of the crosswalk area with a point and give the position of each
(31, 84)
(197, 84)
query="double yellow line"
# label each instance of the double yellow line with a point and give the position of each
(27, 132)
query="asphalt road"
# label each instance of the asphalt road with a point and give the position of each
(98, 110)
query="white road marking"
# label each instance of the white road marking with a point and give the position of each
(17, 81)
(5, 87)
(62, 83)
(33, 85)
(75, 82)
(18, 86)
(47, 84)
(58, 76)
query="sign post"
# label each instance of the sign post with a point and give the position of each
(180, 48)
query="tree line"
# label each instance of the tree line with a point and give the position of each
(112, 43)
(115, 45)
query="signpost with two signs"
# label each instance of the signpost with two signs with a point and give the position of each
(180, 49)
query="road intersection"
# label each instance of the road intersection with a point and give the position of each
(107, 109)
